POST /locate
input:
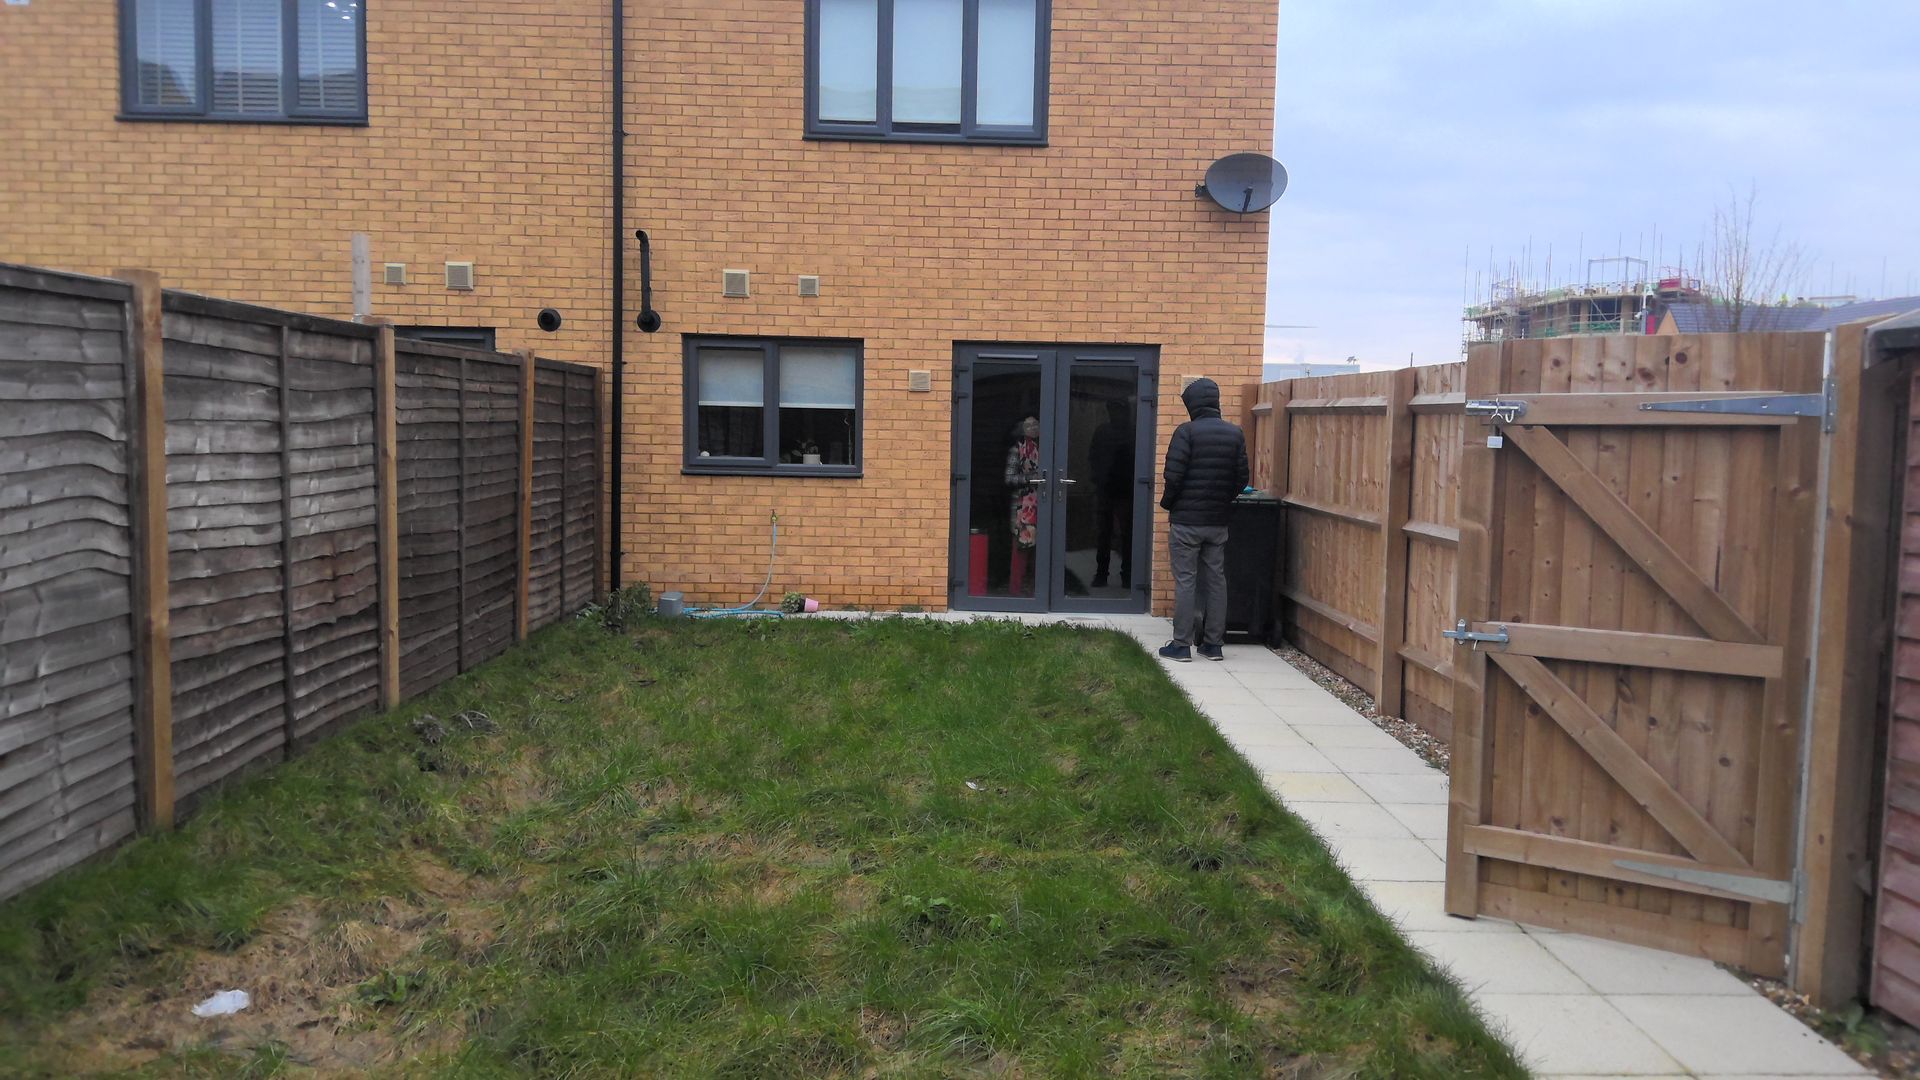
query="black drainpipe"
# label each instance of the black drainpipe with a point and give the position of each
(619, 150)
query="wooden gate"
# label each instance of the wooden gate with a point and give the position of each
(1625, 740)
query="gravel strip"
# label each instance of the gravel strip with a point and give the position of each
(1873, 1038)
(1431, 750)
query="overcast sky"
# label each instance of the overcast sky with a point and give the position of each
(1417, 131)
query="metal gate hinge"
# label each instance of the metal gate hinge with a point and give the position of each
(1820, 405)
(1766, 890)
(1496, 409)
(1476, 637)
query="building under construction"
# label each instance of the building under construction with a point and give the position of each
(1634, 303)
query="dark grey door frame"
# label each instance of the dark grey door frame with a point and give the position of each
(1055, 364)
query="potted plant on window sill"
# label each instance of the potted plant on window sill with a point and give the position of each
(809, 452)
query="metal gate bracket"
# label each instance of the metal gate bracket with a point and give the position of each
(1498, 636)
(1820, 405)
(1496, 409)
(1766, 890)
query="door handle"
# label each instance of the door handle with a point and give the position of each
(1064, 480)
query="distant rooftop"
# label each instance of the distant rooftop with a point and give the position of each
(1697, 317)
(1277, 372)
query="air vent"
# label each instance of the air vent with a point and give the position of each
(396, 273)
(920, 382)
(460, 275)
(733, 282)
(809, 284)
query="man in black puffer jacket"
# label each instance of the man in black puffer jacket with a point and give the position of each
(1206, 471)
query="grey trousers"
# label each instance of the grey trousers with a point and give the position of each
(1199, 584)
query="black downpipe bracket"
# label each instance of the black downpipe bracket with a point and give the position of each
(618, 148)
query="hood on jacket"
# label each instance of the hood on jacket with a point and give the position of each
(1202, 398)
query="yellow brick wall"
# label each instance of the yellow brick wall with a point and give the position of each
(487, 143)
(1095, 238)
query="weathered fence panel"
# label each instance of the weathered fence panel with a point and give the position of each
(227, 529)
(564, 553)
(68, 665)
(489, 507)
(580, 536)
(273, 547)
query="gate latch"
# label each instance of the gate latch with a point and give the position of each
(1495, 409)
(1476, 637)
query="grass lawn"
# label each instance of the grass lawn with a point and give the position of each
(891, 848)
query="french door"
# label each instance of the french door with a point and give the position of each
(1053, 461)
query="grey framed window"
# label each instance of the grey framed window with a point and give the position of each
(928, 70)
(785, 406)
(246, 61)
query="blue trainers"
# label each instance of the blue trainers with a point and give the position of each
(1178, 653)
(1213, 652)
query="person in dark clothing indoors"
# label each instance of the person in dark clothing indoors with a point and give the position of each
(1113, 493)
(1206, 470)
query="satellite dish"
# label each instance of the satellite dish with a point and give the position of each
(1244, 183)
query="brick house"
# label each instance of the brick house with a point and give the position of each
(883, 236)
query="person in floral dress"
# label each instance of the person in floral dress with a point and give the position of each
(1023, 482)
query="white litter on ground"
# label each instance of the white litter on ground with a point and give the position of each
(224, 1003)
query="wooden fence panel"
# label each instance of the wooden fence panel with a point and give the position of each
(223, 526)
(272, 531)
(489, 508)
(1352, 456)
(459, 416)
(1433, 536)
(582, 446)
(427, 406)
(333, 544)
(226, 542)
(1335, 496)
(67, 661)
(546, 571)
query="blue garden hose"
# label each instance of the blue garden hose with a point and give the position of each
(748, 610)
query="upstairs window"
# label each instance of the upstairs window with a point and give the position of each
(928, 70)
(245, 60)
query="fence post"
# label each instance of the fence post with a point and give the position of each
(525, 537)
(1389, 698)
(386, 435)
(147, 521)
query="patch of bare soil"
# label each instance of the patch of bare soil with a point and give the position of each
(303, 971)
(1258, 989)
(1431, 750)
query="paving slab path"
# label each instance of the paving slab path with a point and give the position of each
(1573, 1006)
